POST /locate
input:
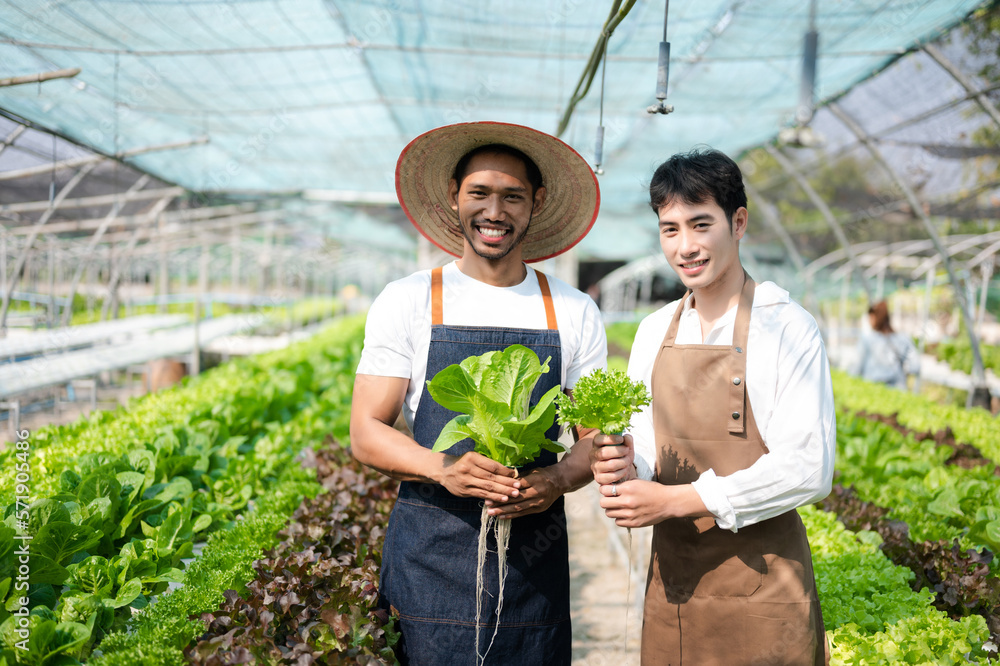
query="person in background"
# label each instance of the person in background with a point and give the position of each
(741, 432)
(883, 354)
(496, 196)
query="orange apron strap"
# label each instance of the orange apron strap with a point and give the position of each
(437, 303)
(550, 311)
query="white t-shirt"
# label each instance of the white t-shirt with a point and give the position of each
(398, 329)
(789, 389)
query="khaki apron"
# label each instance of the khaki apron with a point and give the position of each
(714, 596)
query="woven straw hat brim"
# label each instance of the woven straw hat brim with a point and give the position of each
(425, 167)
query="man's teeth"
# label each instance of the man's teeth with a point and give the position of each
(492, 233)
(695, 264)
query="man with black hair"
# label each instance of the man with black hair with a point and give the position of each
(497, 196)
(740, 432)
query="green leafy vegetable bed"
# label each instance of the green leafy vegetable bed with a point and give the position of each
(972, 426)
(111, 529)
(314, 594)
(872, 616)
(910, 478)
(957, 354)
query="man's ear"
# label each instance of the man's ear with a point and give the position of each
(740, 219)
(453, 194)
(539, 202)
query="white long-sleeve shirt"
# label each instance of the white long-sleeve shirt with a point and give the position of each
(788, 385)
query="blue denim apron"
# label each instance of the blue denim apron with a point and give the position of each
(428, 570)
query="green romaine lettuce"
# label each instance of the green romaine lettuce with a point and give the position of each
(492, 391)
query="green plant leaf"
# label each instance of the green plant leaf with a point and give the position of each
(946, 504)
(605, 400)
(492, 391)
(60, 541)
(453, 389)
(453, 432)
(97, 485)
(44, 511)
(128, 593)
(46, 571)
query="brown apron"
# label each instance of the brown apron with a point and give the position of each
(714, 596)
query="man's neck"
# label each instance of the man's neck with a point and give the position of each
(716, 300)
(507, 272)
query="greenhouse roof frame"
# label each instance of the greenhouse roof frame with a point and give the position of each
(321, 96)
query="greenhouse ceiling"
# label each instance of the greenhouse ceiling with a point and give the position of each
(318, 97)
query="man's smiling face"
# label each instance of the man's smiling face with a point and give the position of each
(495, 203)
(699, 243)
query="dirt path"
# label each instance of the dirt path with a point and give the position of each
(599, 584)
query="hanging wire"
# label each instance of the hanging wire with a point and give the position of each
(599, 143)
(618, 13)
(52, 180)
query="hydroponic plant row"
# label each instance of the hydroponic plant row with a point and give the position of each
(116, 524)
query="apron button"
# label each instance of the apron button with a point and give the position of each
(739, 350)
(736, 415)
(736, 381)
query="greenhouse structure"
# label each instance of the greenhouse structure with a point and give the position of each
(200, 202)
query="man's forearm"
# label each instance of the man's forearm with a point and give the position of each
(394, 454)
(573, 471)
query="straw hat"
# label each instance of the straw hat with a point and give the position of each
(426, 165)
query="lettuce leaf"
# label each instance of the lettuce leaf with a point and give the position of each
(492, 392)
(605, 400)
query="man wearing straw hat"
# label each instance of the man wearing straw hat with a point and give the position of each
(497, 196)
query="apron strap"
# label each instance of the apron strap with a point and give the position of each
(668, 339)
(738, 358)
(437, 302)
(550, 311)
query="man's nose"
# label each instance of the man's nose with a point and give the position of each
(688, 243)
(493, 209)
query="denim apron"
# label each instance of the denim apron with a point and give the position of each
(428, 573)
(715, 597)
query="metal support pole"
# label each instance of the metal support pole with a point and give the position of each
(922, 344)
(980, 96)
(50, 314)
(774, 222)
(163, 283)
(980, 394)
(234, 275)
(89, 160)
(125, 256)
(92, 245)
(35, 230)
(845, 291)
(987, 272)
(38, 78)
(825, 211)
(202, 280)
(3, 261)
(13, 408)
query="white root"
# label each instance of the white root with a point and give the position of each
(501, 532)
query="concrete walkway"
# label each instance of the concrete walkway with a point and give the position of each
(599, 583)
